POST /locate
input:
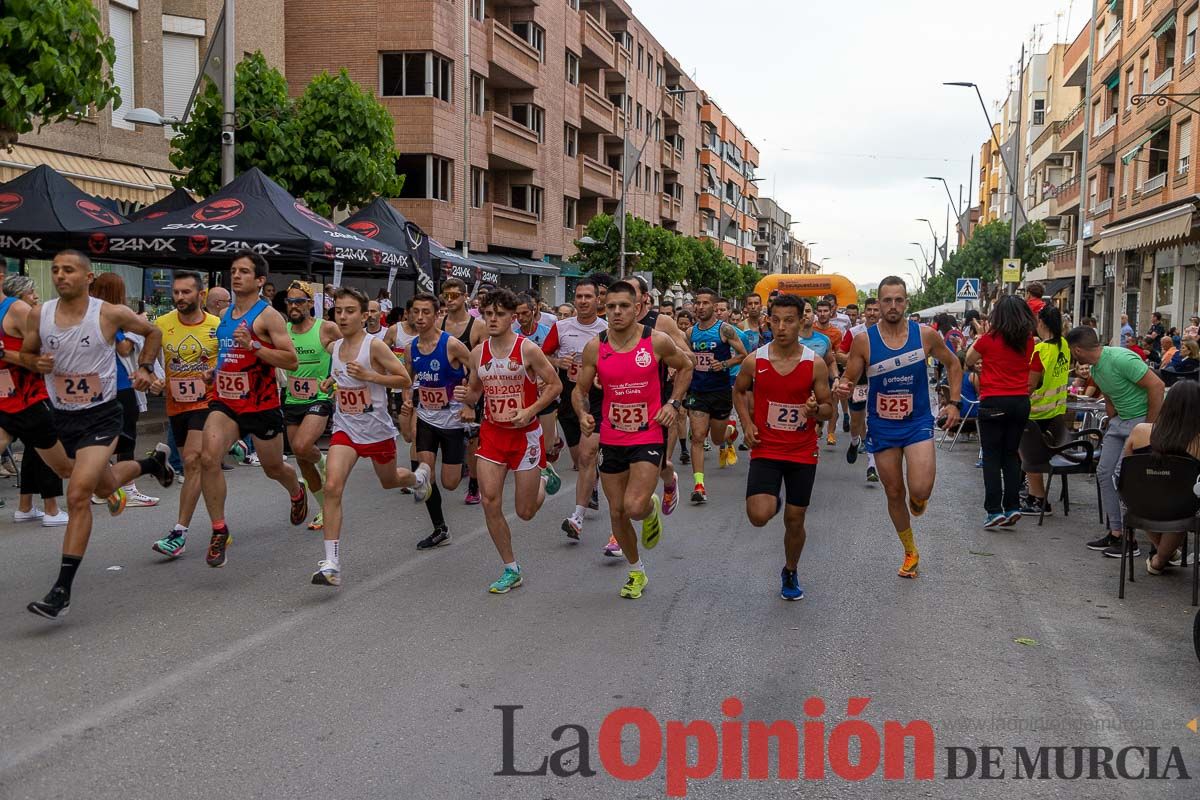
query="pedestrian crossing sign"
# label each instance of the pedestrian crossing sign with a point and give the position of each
(967, 289)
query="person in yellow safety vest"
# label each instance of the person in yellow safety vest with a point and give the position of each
(1051, 364)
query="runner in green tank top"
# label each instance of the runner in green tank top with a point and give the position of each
(307, 409)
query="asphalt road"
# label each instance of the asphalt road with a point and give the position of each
(173, 680)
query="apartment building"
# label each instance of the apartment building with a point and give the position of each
(562, 96)
(1140, 188)
(773, 238)
(991, 178)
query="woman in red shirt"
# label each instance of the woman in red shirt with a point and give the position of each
(1002, 356)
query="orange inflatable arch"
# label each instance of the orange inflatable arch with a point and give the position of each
(808, 286)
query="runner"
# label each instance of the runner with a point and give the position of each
(510, 438)
(532, 324)
(790, 387)
(833, 329)
(627, 359)
(399, 338)
(857, 403)
(306, 406)
(892, 354)
(374, 320)
(755, 320)
(439, 364)
(253, 342)
(564, 345)
(73, 339)
(460, 324)
(189, 353)
(716, 347)
(750, 340)
(362, 369)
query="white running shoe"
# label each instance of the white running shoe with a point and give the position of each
(137, 499)
(253, 461)
(55, 520)
(327, 574)
(32, 515)
(424, 485)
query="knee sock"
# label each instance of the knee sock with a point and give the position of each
(331, 552)
(906, 538)
(66, 573)
(434, 506)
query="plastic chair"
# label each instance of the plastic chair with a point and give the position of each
(1157, 494)
(1076, 457)
(970, 416)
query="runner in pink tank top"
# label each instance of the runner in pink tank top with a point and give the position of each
(628, 359)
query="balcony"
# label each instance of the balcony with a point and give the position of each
(1104, 126)
(517, 62)
(1110, 41)
(1102, 207)
(510, 144)
(1066, 195)
(670, 208)
(672, 104)
(512, 227)
(598, 115)
(1162, 81)
(599, 46)
(710, 202)
(596, 179)
(1069, 127)
(671, 159)
(1154, 184)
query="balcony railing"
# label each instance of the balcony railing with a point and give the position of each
(1102, 207)
(1104, 126)
(1110, 40)
(1154, 184)
(1161, 81)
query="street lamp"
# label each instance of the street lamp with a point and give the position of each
(958, 222)
(929, 265)
(148, 116)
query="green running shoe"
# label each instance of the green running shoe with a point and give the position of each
(511, 579)
(553, 482)
(634, 584)
(652, 526)
(172, 545)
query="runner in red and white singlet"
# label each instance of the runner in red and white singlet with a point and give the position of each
(628, 360)
(505, 370)
(789, 385)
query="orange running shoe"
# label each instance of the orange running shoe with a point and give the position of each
(909, 568)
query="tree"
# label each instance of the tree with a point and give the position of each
(333, 146)
(982, 256)
(54, 61)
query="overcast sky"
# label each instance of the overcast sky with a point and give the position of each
(847, 106)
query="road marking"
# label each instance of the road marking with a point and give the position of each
(42, 743)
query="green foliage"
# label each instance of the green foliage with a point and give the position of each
(54, 61)
(982, 257)
(333, 146)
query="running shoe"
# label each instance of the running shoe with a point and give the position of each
(852, 452)
(846, 423)
(917, 507)
(634, 584)
(1011, 518)
(831, 437)
(872, 475)
(238, 451)
(439, 538)
(685, 457)
(472, 498)
(55, 520)
(216, 548)
(172, 545)
(116, 502)
(979, 463)
(789, 588)
(54, 605)
(707, 446)
(424, 485)
(299, 511)
(993, 521)
(670, 496)
(909, 568)
(1036, 505)
(612, 549)
(164, 473)
(731, 455)
(327, 574)
(743, 448)
(135, 499)
(252, 460)
(699, 495)
(553, 482)
(721, 458)
(652, 526)
(510, 580)
(572, 527)
(1104, 542)
(1115, 550)
(318, 523)
(594, 500)
(321, 467)
(32, 515)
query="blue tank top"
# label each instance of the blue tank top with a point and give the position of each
(434, 370)
(229, 324)
(711, 347)
(898, 385)
(819, 343)
(750, 342)
(537, 337)
(969, 395)
(123, 381)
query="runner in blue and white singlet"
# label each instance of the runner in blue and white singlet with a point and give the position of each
(897, 392)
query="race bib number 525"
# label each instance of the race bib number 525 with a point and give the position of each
(894, 406)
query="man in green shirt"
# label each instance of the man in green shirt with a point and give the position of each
(1132, 394)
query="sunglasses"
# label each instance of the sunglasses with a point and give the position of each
(451, 295)
(296, 301)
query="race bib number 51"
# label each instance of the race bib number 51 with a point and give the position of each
(894, 406)
(187, 390)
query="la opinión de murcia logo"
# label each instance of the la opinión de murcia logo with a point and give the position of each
(633, 744)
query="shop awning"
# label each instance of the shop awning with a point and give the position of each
(1113, 81)
(1165, 226)
(1056, 285)
(116, 181)
(499, 263)
(1167, 24)
(530, 267)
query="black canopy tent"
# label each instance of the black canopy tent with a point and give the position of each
(252, 212)
(41, 212)
(379, 221)
(470, 271)
(175, 201)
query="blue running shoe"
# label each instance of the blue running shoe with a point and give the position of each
(993, 521)
(511, 579)
(790, 587)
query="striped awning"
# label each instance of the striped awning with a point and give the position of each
(116, 181)
(1165, 226)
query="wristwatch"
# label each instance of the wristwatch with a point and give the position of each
(255, 344)
(675, 404)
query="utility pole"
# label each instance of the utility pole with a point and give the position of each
(1015, 175)
(228, 108)
(1082, 167)
(468, 183)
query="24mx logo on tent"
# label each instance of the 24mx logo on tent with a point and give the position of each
(10, 201)
(314, 216)
(98, 244)
(365, 228)
(97, 212)
(219, 210)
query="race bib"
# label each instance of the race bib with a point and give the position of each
(575, 367)
(7, 387)
(434, 398)
(705, 361)
(353, 401)
(303, 388)
(859, 395)
(894, 406)
(187, 390)
(504, 408)
(628, 417)
(233, 385)
(77, 390)
(786, 417)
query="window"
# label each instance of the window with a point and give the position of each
(120, 24)
(1092, 199)
(478, 94)
(478, 187)
(569, 209)
(1039, 112)
(572, 68)
(730, 193)
(477, 9)
(426, 177)
(638, 117)
(1189, 35)
(181, 64)
(624, 38)
(656, 188)
(646, 182)
(570, 141)
(1146, 72)
(641, 56)
(573, 5)
(526, 198)
(416, 75)
(531, 117)
(1129, 90)
(1185, 146)
(532, 33)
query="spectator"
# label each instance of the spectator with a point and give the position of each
(1004, 353)
(385, 300)
(1186, 358)
(1136, 348)
(1192, 331)
(1169, 349)
(1153, 351)
(1033, 297)
(1156, 326)
(1175, 433)
(1089, 322)
(1132, 395)
(1050, 369)
(268, 291)
(972, 326)
(1127, 335)
(955, 340)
